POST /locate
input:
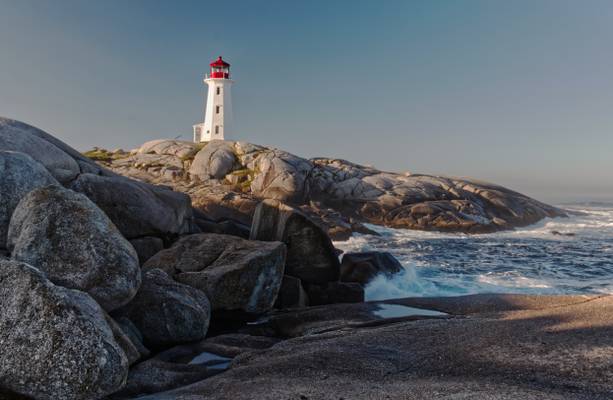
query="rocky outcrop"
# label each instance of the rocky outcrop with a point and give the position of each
(125, 201)
(310, 253)
(137, 209)
(67, 237)
(19, 175)
(340, 195)
(236, 274)
(364, 267)
(56, 343)
(62, 161)
(167, 312)
(215, 160)
(16, 136)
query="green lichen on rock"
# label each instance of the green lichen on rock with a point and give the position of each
(103, 155)
(190, 156)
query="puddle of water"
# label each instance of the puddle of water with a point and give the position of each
(397, 311)
(211, 360)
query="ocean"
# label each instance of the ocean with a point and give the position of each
(556, 256)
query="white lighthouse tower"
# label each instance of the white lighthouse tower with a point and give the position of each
(218, 111)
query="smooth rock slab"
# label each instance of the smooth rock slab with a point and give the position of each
(56, 343)
(236, 274)
(526, 347)
(73, 242)
(167, 312)
(19, 174)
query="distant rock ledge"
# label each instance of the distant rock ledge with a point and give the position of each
(227, 179)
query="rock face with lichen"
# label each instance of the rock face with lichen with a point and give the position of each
(20, 175)
(236, 274)
(227, 179)
(56, 343)
(73, 242)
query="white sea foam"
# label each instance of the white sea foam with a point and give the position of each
(555, 256)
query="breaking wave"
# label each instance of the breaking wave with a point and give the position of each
(556, 256)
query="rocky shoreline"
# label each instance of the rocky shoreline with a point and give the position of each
(182, 271)
(226, 180)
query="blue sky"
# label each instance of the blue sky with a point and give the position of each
(515, 92)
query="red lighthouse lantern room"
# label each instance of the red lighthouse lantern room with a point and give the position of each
(220, 69)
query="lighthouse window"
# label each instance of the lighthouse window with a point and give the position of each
(218, 90)
(217, 129)
(217, 110)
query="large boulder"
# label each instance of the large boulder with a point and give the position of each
(281, 176)
(136, 208)
(310, 253)
(167, 312)
(75, 244)
(215, 160)
(56, 343)
(17, 136)
(236, 274)
(19, 174)
(364, 267)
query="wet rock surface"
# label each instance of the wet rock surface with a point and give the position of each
(186, 364)
(364, 267)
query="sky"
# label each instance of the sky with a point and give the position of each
(519, 92)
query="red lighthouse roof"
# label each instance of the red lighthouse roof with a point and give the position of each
(219, 63)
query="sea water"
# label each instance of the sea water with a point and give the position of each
(556, 256)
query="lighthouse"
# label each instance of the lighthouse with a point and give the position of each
(218, 110)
